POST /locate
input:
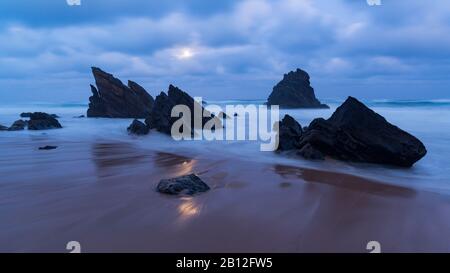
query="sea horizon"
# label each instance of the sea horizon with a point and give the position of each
(334, 101)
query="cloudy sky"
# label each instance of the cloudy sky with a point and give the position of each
(226, 49)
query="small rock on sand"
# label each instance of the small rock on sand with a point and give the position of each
(138, 128)
(187, 184)
(48, 147)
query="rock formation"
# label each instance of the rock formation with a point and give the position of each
(294, 91)
(42, 121)
(160, 117)
(112, 99)
(138, 128)
(38, 121)
(356, 133)
(187, 184)
(18, 125)
(289, 134)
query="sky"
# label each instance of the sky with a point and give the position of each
(225, 49)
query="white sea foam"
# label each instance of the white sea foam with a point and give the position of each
(431, 124)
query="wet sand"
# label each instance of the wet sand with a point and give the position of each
(102, 194)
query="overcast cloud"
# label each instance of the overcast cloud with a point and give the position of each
(226, 49)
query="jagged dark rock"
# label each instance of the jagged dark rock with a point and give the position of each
(3, 128)
(18, 125)
(356, 133)
(187, 184)
(42, 121)
(141, 93)
(295, 91)
(113, 99)
(289, 134)
(309, 152)
(160, 117)
(138, 128)
(48, 147)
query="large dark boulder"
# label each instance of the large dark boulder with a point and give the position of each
(356, 133)
(160, 117)
(112, 99)
(18, 125)
(187, 184)
(42, 121)
(289, 133)
(138, 128)
(295, 91)
(3, 128)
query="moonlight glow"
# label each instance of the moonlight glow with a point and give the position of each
(185, 53)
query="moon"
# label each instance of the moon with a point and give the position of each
(185, 53)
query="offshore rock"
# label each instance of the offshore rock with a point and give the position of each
(295, 91)
(112, 99)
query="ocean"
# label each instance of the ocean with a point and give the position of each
(428, 120)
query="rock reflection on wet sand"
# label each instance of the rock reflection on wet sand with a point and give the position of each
(176, 164)
(110, 156)
(114, 158)
(169, 160)
(350, 182)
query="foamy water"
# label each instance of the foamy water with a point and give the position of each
(427, 120)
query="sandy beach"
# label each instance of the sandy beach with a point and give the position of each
(102, 194)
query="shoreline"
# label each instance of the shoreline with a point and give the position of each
(102, 194)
